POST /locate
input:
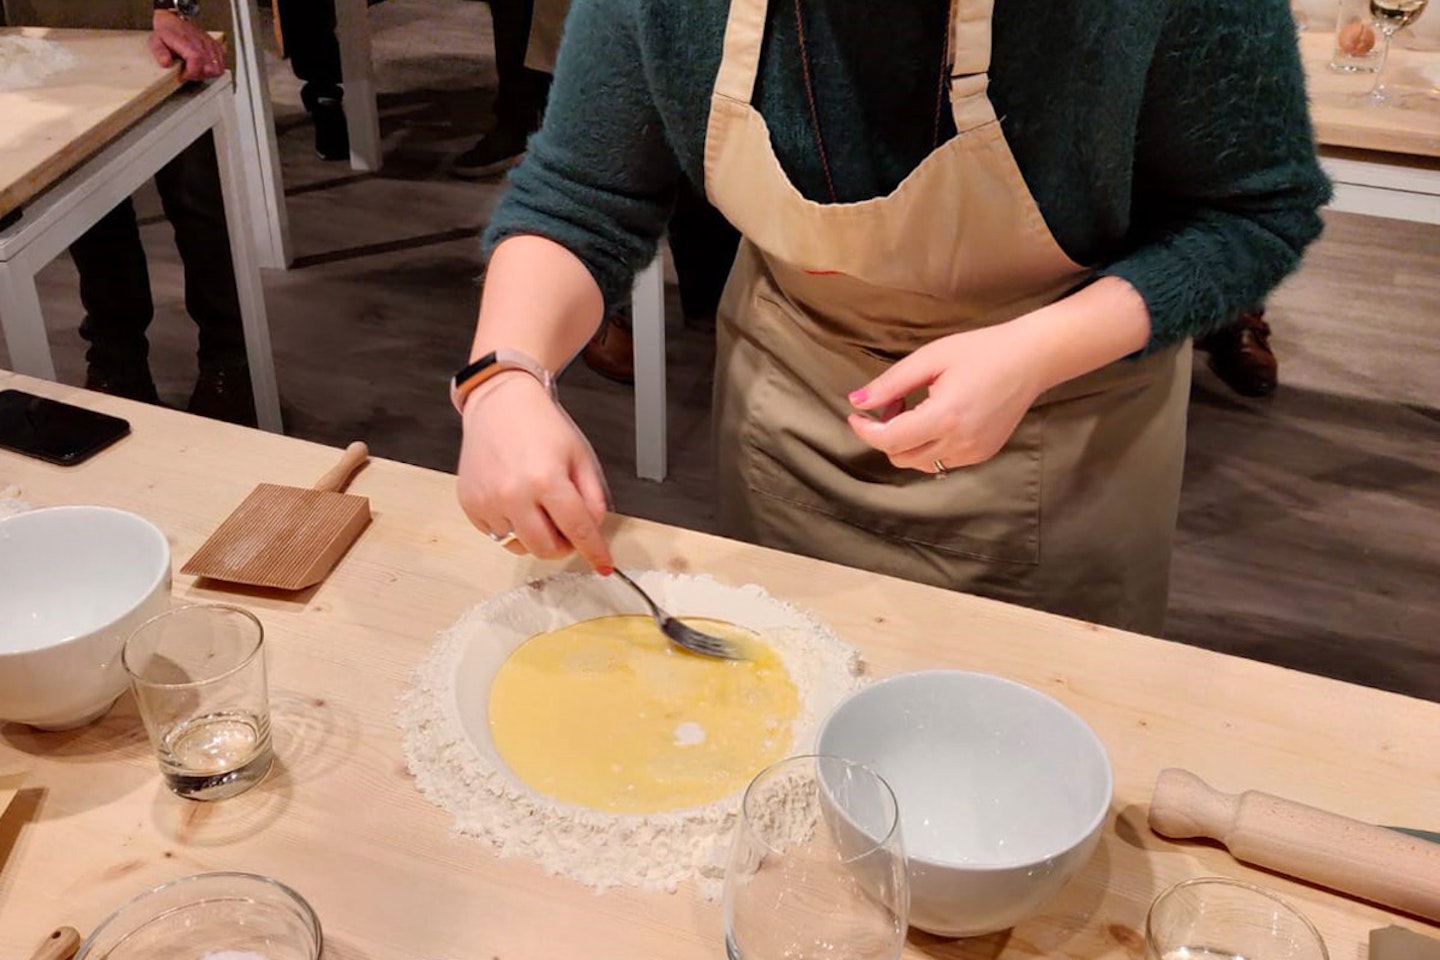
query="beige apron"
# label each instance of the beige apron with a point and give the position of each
(1075, 515)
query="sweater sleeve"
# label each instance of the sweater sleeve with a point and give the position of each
(599, 177)
(1227, 184)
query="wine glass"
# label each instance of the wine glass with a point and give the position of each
(817, 867)
(1391, 16)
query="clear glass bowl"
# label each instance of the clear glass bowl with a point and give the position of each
(239, 916)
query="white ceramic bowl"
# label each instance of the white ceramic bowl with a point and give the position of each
(1002, 791)
(74, 583)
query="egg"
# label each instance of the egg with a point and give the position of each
(1356, 39)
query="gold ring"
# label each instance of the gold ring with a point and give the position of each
(940, 470)
(502, 539)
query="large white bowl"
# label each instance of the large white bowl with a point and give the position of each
(74, 583)
(1002, 791)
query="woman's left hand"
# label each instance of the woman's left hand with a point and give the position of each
(980, 383)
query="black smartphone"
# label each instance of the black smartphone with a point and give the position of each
(55, 431)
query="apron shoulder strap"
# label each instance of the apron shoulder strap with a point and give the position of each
(740, 59)
(970, 63)
(969, 57)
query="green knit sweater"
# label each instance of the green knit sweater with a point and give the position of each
(1166, 141)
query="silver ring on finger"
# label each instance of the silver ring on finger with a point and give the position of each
(502, 539)
(940, 470)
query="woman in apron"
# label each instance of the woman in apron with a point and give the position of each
(920, 381)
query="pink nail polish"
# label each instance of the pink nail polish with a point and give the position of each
(860, 396)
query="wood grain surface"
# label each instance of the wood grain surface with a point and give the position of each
(49, 130)
(340, 820)
(1341, 120)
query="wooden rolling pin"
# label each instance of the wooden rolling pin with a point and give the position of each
(1382, 866)
(60, 945)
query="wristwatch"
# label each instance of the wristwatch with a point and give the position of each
(184, 9)
(497, 361)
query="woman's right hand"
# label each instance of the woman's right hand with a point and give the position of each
(526, 469)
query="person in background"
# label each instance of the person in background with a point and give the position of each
(1240, 355)
(114, 275)
(519, 98)
(1018, 214)
(308, 31)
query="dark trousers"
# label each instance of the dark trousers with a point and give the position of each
(704, 244)
(115, 280)
(520, 101)
(308, 27)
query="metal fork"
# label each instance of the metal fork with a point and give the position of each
(687, 638)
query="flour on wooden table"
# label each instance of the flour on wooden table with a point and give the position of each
(10, 502)
(602, 850)
(27, 61)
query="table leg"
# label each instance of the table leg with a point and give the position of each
(648, 322)
(352, 18)
(23, 324)
(256, 133)
(247, 274)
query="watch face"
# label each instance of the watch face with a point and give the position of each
(188, 9)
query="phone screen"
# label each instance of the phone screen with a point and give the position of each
(55, 431)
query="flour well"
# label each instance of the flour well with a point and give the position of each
(457, 768)
(28, 61)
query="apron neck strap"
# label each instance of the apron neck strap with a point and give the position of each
(740, 57)
(970, 63)
(969, 57)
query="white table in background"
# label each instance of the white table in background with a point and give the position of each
(256, 116)
(63, 167)
(1385, 162)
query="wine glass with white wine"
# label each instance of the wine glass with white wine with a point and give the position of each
(1391, 16)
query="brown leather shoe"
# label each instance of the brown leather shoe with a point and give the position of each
(611, 352)
(1240, 355)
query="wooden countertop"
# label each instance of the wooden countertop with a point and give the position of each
(51, 129)
(1341, 122)
(340, 820)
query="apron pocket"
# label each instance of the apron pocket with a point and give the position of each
(799, 459)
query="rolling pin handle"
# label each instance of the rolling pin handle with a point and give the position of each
(60, 945)
(1185, 806)
(337, 476)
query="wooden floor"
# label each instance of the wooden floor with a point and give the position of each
(1310, 521)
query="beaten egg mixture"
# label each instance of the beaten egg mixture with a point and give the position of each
(608, 714)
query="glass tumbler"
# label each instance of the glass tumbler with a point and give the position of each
(198, 673)
(1212, 918)
(1357, 39)
(817, 867)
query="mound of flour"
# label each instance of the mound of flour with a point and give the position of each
(601, 850)
(27, 61)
